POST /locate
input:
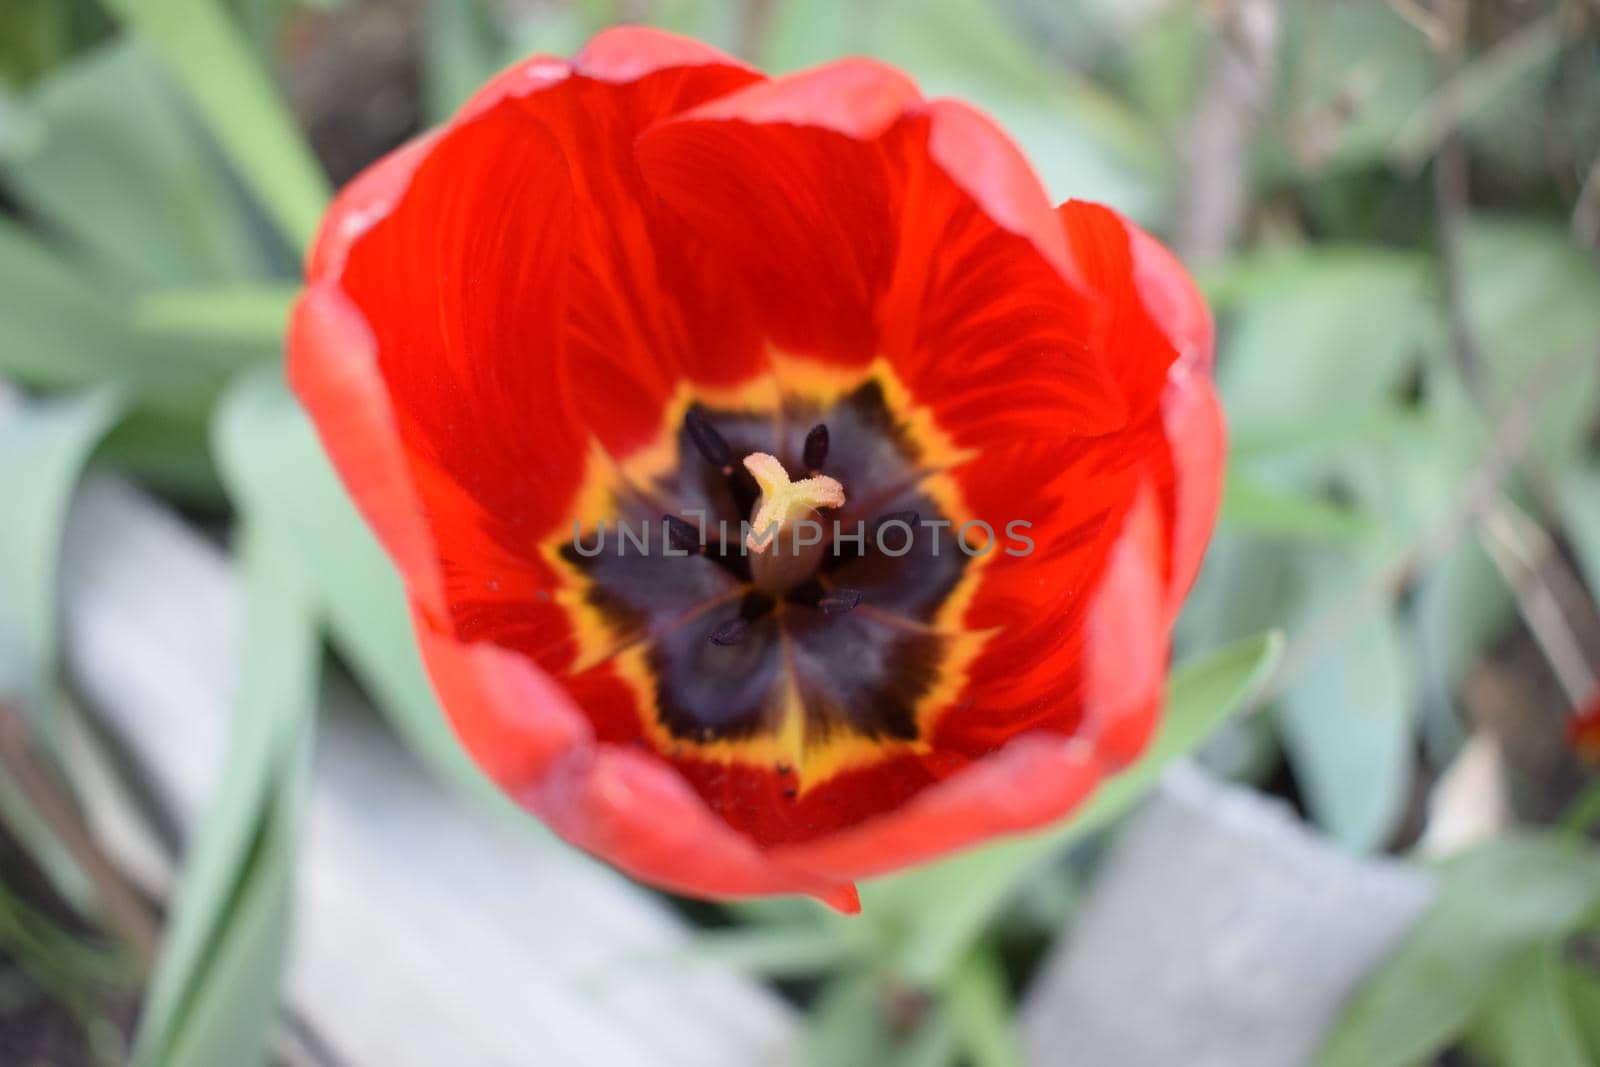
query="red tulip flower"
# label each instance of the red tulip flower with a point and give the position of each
(923, 466)
(1583, 729)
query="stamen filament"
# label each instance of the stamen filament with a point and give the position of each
(779, 558)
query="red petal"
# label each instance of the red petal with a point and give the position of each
(629, 53)
(628, 343)
(628, 807)
(1030, 782)
(646, 308)
(365, 201)
(639, 814)
(464, 282)
(513, 718)
(620, 55)
(1191, 411)
(1158, 336)
(1171, 298)
(990, 167)
(1126, 639)
(859, 98)
(854, 241)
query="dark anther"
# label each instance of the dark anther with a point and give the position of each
(711, 444)
(840, 601)
(731, 632)
(681, 534)
(816, 450)
(907, 517)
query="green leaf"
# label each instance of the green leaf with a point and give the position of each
(61, 330)
(1294, 340)
(846, 1027)
(119, 168)
(225, 81)
(1250, 505)
(214, 995)
(1495, 904)
(1531, 1021)
(934, 914)
(43, 449)
(934, 1044)
(62, 966)
(1346, 721)
(44, 446)
(1532, 296)
(249, 313)
(788, 951)
(167, 453)
(980, 1009)
(1531, 293)
(65, 330)
(1581, 986)
(1460, 605)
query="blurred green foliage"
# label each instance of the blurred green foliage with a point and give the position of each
(159, 193)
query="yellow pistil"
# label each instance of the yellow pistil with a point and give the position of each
(787, 538)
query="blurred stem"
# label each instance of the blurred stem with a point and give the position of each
(1586, 212)
(782, 952)
(1524, 554)
(1451, 194)
(66, 970)
(124, 908)
(935, 1043)
(1467, 88)
(980, 1009)
(755, 25)
(1215, 152)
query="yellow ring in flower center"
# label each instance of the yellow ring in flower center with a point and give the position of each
(790, 737)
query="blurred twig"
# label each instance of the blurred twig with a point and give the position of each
(1215, 153)
(1471, 86)
(124, 908)
(755, 25)
(1586, 212)
(1428, 23)
(1451, 195)
(1525, 554)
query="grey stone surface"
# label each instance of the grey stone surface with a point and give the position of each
(1220, 932)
